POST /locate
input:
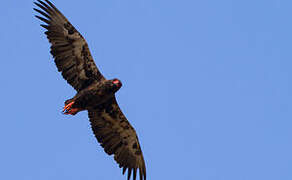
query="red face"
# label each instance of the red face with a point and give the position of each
(117, 83)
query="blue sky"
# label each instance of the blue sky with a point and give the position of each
(206, 84)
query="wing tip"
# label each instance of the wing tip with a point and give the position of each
(129, 173)
(42, 19)
(124, 169)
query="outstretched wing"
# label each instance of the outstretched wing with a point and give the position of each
(68, 47)
(118, 137)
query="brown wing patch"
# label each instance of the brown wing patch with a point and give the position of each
(68, 47)
(118, 137)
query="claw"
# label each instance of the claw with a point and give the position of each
(69, 110)
(68, 106)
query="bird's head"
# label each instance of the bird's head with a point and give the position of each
(116, 83)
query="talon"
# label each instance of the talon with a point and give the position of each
(68, 107)
(69, 110)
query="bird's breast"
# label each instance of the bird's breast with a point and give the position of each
(93, 96)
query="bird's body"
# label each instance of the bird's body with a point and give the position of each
(95, 93)
(92, 96)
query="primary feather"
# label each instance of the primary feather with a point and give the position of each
(68, 47)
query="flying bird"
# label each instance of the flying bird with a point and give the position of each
(95, 93)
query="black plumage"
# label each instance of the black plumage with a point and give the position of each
(94, 93)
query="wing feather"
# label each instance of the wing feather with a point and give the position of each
(118, 137)
(68, 47)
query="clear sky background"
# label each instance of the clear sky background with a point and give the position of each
(206, 84)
